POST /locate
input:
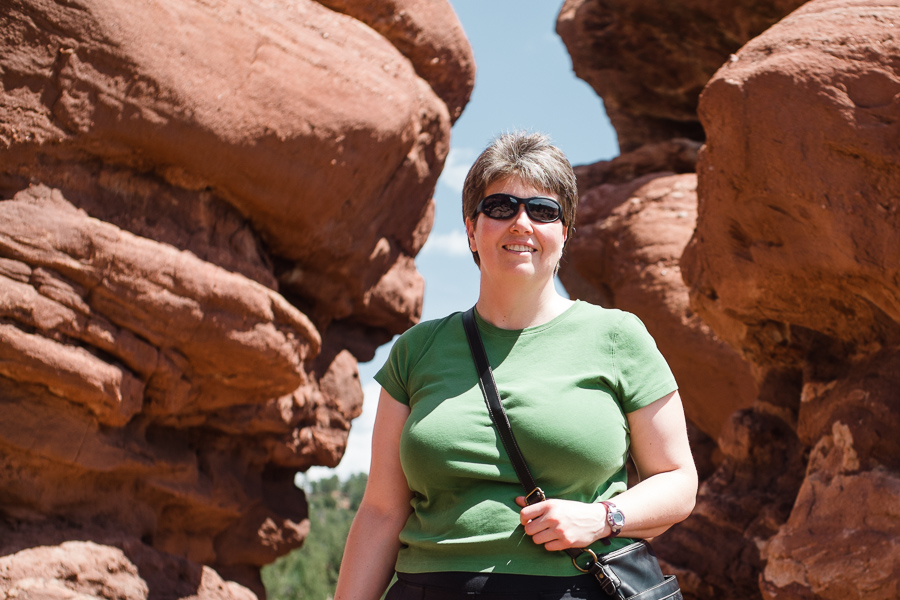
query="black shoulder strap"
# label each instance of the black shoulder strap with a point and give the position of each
(495, 408)
(533, 493)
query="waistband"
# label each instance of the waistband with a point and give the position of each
(500, 583)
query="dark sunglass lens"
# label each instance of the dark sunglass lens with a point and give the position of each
(543, 210)
(499, 206)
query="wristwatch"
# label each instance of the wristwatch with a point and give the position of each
(615, 518)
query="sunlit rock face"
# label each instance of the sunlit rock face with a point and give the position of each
(650, 60)
(784, 235)
(208, 213)
(794, 263)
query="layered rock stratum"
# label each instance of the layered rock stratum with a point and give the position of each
(208, 214)
(783, 324)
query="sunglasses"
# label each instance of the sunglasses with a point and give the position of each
(505, 206)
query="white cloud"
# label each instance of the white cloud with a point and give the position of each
(450, 243)
(456, 167)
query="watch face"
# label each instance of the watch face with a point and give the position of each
(614, 517)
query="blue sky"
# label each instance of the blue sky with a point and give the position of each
(523, 80)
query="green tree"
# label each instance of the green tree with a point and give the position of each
(310, 572)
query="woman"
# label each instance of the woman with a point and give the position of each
(582, 387)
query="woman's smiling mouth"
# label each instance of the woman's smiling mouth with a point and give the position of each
(519, 248)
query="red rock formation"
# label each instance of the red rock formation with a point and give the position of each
(791, 264)
(810, 244)
(841, 537)
(649, 60)
(439, 54)
(62, 565)
(195, 250)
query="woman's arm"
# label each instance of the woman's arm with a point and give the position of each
(661, 452)
(665, 495)
(372, 545)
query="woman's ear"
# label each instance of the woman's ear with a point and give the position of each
(470, 233)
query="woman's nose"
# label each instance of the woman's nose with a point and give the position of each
(522, 222)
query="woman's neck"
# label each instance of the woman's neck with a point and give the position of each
(511, 307)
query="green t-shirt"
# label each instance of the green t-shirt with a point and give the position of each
(566, 386)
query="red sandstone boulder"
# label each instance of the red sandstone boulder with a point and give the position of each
(429, 35)
(304, 119)
(72, 570)
(649, 60)
(208, 214)
(840, 539)
(169, 324)
(38, 565)
(798, 217)
(792, 263)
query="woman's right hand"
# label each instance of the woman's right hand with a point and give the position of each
(561, 524)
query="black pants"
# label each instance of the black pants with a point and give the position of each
(493, 586)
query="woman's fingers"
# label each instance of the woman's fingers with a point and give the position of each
(561, 524)
(530, 512)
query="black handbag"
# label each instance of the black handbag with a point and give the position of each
(630, 573)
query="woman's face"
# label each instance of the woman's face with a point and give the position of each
(516, 246)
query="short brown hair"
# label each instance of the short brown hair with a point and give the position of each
(533, 159)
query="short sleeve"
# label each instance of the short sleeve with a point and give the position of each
(643, 375)
(394, 374)
(405, 354)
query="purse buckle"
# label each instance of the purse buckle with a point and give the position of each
(538, 494)
(609, 581)
(591, 563)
